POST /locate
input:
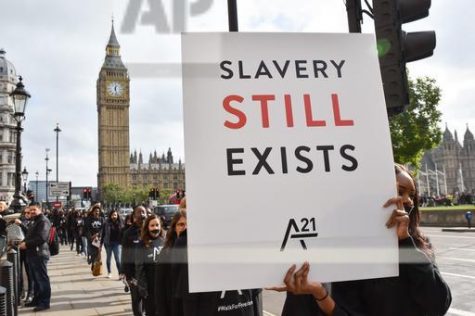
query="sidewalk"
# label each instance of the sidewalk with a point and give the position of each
(459, 230)
(75, 292)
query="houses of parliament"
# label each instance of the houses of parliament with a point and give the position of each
(116, 164)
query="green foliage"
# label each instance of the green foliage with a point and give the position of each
(416, 130)
(112, 193)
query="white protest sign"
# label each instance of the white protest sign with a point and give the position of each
(288, 159)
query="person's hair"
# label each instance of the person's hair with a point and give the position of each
(112, 212)
(145, 232)
(136, 209)
(183, 203)
(93, 208)
(171, 234)
(422, 242)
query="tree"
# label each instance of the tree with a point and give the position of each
(112, 193)
(416, 130)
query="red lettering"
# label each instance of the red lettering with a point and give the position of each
(308, 113)
(242, 119)
(288, 111)
(336, 113)
(264, 98)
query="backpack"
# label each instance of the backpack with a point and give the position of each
(53, 241)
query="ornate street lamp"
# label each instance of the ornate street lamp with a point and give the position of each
(24, 175)
(20, 99)
(37, 174)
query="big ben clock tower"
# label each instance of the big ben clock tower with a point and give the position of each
(113, 102)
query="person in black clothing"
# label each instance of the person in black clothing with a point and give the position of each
(130, 240)
(93, 228)
(37, 254)
(173, 297)
(24, 222)
(146, 257)
(111, 239)
(74, 231)
(419, 290)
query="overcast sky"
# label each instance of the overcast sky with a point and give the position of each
(58, 47)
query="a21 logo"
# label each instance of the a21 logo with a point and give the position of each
(307, 230)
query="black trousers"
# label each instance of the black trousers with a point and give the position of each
(39, 271)
(137, 302)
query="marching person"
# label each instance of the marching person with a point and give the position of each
(172, 295)
(111, 238)
(419, 289)
(37, 255)
(130, 241)
(146, 258)
(93, 228)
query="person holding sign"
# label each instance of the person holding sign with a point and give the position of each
(419, 289)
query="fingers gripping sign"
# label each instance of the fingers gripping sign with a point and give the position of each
(399, 218)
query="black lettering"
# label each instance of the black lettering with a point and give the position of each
(338, 66)
(354, 162)
(304, 159)
(292, 224)
(241, 71)
(301, 65)
(282, 71)
(231, 161)
(283, 155)
(223, 68)
(262, 160)
(326, 158)
(305, 222)
(320, 66)
(263, 71)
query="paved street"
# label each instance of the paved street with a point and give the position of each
(77, 292)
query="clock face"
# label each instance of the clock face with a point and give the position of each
(115, 89)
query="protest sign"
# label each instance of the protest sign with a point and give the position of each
(288, 158)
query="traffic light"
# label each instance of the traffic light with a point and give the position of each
(86, 193)
(396, 47)
(154, 194)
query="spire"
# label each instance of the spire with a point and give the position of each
(447, 134)
(113, 42)
(468, 134)
(113, 60)
(140, 158)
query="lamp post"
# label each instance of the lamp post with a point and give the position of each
(57, 130)
(20, 98)
(47, 171)
(37, 174)
(24, 175)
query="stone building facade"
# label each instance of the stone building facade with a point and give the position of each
(8, 81)
(116, 165)
(454, 162)
(160, 172)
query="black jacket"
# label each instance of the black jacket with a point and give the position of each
(418, 291)
(36, 239)
(130, 241)
(145, 260)
(226, 303)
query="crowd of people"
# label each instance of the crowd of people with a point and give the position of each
(152, 262)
